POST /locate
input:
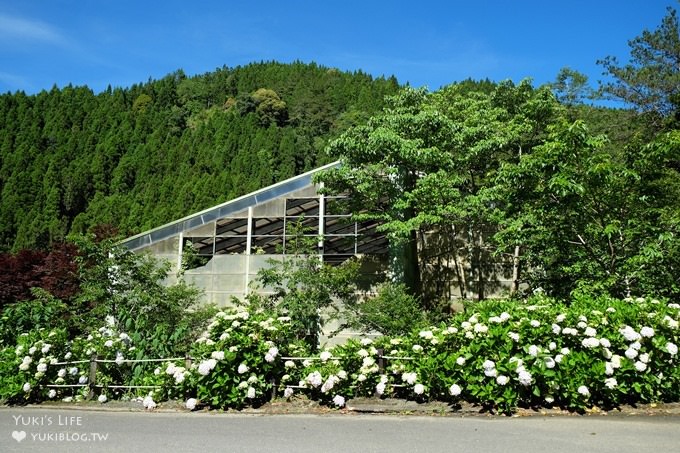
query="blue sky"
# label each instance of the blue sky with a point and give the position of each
(425, 43)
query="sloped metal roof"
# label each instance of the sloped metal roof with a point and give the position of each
(198, 219)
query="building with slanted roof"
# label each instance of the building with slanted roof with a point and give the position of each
(229, 243)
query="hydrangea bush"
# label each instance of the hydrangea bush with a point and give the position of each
(500, 355)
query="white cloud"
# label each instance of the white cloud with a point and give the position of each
(33, 30)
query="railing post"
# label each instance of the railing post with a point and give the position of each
(382, 362)
(92, 377)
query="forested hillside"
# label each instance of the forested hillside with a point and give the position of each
(138, 157)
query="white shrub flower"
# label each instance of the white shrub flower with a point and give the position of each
(102, 398)
(409, 378)
(514, 336)
(644, 358)
(460, 361)
(380, 388)
(672, 348)
(502, 379)
(533, 350)
(170, 369)
(465, 325)
(610, 383)
(534, 323)
(549, 399)
(251, 393)
(73, 371)
(558, 358)
(51, 394)
(325, 356)
(120, 359)
(108, 343)
(366, 341)
(217, 355)
(489, 365)
(505, 316)
(289, 364)
(616, 361)
(82, 380)
(417, 348)
(608, 369)
(426, 334)
(647, 332)
(314, 379)
(419, 389)
(362, 353)
(583, 390)
(549, 362)
(243, 385)
(46, 348)
(191, 404)
(27, 387)
(361, 377)
(242, 368)
(561, 317)
(631, 353)
(455, 390)
(565, 351)
(590, 332)
(605, 343)
(490, 372)
(590, 342)
(552, 346)
(481, 328)
(629, 333)
(342, 374)
(42, 367)
(582, 325)
(452, 330)
(149, 403)
(339, 400)
(635, 345)
(469, 335)
(24, 366)
(640, 366)
(269, 358)
(524, 378)
(288, 392)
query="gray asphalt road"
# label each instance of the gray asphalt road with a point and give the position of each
(56, 430)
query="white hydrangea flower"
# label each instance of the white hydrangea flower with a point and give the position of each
(631, 353)
(514, 336)
(490, 372)
(342, 374)
(590, 342)
(289, 364)
(380, 388)
(644, 358)
(426, 334)
(325, 356)
(242, 368)
(419, 389)
(269, 358)
(558, 358)
(452, 330)
(533, 350)
(616, 361)
(362, 353)
(590, 332)
(51, 394)
(73, 371)
(502, 379)
(460, 361)
(635, 345)
(288, 392)
(505, 316)
(672, 348)
(61, 373)
(565, 351)
(339, 400)
(27, 387)
(417, 348)
(465, 325)
(608, 369)
(583, 390)
(46, 348)
(481, 328)
(149, 403)
(217, 355)
(549, 399)
(534, 323)
(561, 317)
(102, 398)
(629, 333)
(489, 365)
(524, 377)
(82, 380)
(640, 366)
(314, 379)
(361, 378)
(120, 359)
(243, 385)
(409, 378)
(549, 362)
(191, 404)
(366, 341)
(455, 390)
(42, 367)
(605, 343)
(582, 325)
(647, 332)
(610, 383)
(251, 393)
(552, 346)
(108, 343)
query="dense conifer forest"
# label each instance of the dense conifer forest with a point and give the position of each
(134, 158)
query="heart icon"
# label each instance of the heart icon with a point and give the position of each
(19, 435)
